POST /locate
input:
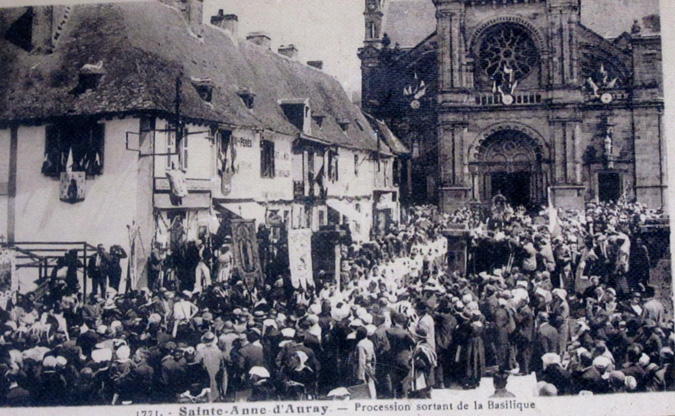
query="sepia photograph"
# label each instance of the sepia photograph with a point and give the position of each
(334, 206)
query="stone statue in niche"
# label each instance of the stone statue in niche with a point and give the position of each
(608, 145)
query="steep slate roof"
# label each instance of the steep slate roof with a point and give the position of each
(144, 47)
(408, 22)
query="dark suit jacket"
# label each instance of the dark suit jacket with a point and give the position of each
(400, 346)
(525, 324)
(251, 356)
(95, 272)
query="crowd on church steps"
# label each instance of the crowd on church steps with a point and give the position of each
(563, 294)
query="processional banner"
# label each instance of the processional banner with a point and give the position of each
(300, 257)
(246, 257)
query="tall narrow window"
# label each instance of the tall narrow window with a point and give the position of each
(333, 166)
(266, 159)
(171, 147)
(372, 30)
(356, 165)
(415, 149)
(183, 154)
(310, 172)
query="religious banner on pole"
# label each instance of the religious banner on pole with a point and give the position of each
(300, 257)
(246, 257)
(9, 281)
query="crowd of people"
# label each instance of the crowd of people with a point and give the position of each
(562, 294)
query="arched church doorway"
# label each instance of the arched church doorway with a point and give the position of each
(511, 163)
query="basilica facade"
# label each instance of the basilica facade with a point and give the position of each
(519, 98)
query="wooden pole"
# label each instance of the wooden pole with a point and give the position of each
(338, 264)
(11, 185)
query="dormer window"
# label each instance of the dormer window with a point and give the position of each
(343, 123)
(318, 119)
(204, 87)
(89, 77)
(247, 97)
(298, 113)
(20, 32)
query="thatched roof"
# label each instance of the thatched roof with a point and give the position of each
(144, 47)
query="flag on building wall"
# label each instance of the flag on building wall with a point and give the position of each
(69, 162)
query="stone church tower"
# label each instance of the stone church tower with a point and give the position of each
(519, 97)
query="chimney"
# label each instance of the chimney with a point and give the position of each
(229, 22)
(261, 39)
(315, 64)
(43, 28)
(289, 51)
(192, 11)
(195, 16)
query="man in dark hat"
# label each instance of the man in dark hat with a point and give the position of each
(446, 323)
(195, 379)
(97, 270)
(546, 340)
(523, 336)
(252, 354)
(142, 375)
(382, 364)
(400, 344)
(587, 377)
(116, 254)
(171, 373)
(72, 263)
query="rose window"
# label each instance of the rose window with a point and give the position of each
(507, 47)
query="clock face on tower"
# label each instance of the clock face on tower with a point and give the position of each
(507, 45)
